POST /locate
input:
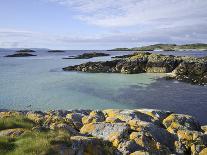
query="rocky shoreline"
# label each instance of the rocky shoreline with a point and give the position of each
(96, 132)
(187, 69)
(88, 55)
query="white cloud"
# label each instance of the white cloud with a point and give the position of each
(124, 22)
(122, 13)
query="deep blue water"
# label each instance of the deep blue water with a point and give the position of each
(40, 82)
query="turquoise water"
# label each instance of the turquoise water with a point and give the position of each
(38, 83)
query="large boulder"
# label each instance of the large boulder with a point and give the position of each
(192, 71)
(113, 132)
(175, 122)
(89, 145)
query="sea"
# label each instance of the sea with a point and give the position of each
(39, 83)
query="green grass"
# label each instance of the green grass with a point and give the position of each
(35, 143)
(15, 122)
(6, 145)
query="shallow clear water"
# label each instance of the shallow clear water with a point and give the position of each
(40, 82)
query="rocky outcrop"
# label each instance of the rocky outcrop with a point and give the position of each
(88, 55)
(56, 51)
(25, 51)
(21, 55)
(111, 131)
(188, 69)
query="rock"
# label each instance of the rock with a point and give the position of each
(194, 72)
(95, 116)
(25, 51)
(196, 149)
(12, 132)
(113, 120)
(88, 55)
(112, 132)
(89, 145)
(175, 122)
(156, 114)
(127, 147)
(127, 115)
(147, 142)
(204, 128)
(94, 67)
(56, 51)
(158, 63)
(140, 153)
(20, 55)
(188, 69)
(152, 137)
(76, 118)
(203, 152)
(193, 140)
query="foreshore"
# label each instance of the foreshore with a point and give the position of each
(97, 132)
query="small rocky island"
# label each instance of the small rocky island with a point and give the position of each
(21, 54)
(56, 51)
(88, 55)
(106, 132)
(25, 51)
(187, 69)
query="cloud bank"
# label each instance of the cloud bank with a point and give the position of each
(124, 22)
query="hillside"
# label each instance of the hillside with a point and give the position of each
(165, 47)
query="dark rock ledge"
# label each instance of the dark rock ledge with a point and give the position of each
(88, 55)
(188, 69)
(25, 51)
(106, 132)
(20, 54)
(56, 51)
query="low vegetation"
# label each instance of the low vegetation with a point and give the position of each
(165, 47)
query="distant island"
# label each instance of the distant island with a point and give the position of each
(20, 55)
(165, 47)
(56, 51)
(25, 51)
(88, 55)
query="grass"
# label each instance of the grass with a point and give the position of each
(35, 143)
(6, 145)
(31, 142)
(13, 122)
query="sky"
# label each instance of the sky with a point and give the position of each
(101, 24)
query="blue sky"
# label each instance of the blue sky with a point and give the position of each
(98, 24)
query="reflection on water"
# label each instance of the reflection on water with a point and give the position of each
(40, 82)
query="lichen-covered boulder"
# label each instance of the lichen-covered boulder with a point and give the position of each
(127, 115)
(193, 71)
(156, 114)
(128, 146)
(140, 153)
(204, 128)
(76, 118)
(175, 122)
(203, 152)
(158, 63)
(192, 140)
(90, 145)
(113, 120)
(152, 137)
(113, 132)
(94, 116)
